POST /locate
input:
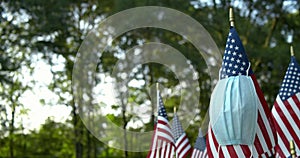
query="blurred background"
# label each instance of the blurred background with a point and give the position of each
(38, 46)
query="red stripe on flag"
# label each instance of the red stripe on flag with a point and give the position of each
(162, 122)
(216, 144)
(261, 96)
(209, 152)
(264, 131)
(279, 151)
(292, 112)
(231, 151)
(162, 130)
(281, 134)
(296, 100)
(258, 146)
(287, 124)
(246, 150)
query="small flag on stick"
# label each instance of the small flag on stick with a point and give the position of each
(162, 141)
(183, 147)
(286, 111)
(200, 147)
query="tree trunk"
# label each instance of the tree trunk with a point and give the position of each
(77, 132)
(11, 130)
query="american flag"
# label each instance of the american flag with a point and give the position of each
(182, 143)
(286, 111)
(235, 62)
(200, 147)
(162, 141)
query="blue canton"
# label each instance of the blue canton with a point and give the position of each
(235, 60)
(177, 129)
(161, 109)
(291, 81)
(200, 142)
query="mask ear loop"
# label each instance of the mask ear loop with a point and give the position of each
(220, 73)
(251, 150)
(247, 72)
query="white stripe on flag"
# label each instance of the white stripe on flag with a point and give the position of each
(281, 124)
(294, 106)
(286, 112)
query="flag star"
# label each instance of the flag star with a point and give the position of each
(230, 33)
(240, 73)
(233, 41)
(230, 65)
(226, 46)
(231, 46)
(244, 63)
(242, 68)
(227, 58)
(240, 55)
(233, 72)
(232, 59)
(228, 40)
(226, 64)
(234, 53)
(238, 61)
(228, 70)
(236, 48)
(236, 66)
(229, 52)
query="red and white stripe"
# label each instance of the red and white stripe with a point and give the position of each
(162, 142)
(286, 115)
(199, 154)
(264, 141)
(183, 147)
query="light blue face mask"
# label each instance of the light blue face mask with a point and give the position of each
(233, 111)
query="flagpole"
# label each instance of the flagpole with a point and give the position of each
(175, 155)
(157, 108)
(292, 149)
(231, 17)
(292, 51)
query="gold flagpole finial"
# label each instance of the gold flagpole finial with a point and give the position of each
(292, 148)
(292, 51)
(174, 109)
(231, 17)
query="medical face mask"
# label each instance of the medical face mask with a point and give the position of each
(233, 111)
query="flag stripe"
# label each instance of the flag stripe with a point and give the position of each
(289, 109)
(265, 124)
(285, 121)
(199, 154)
(296, 100)
(162, 139)
(281, 130)
(231, 151)
(283, 106)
